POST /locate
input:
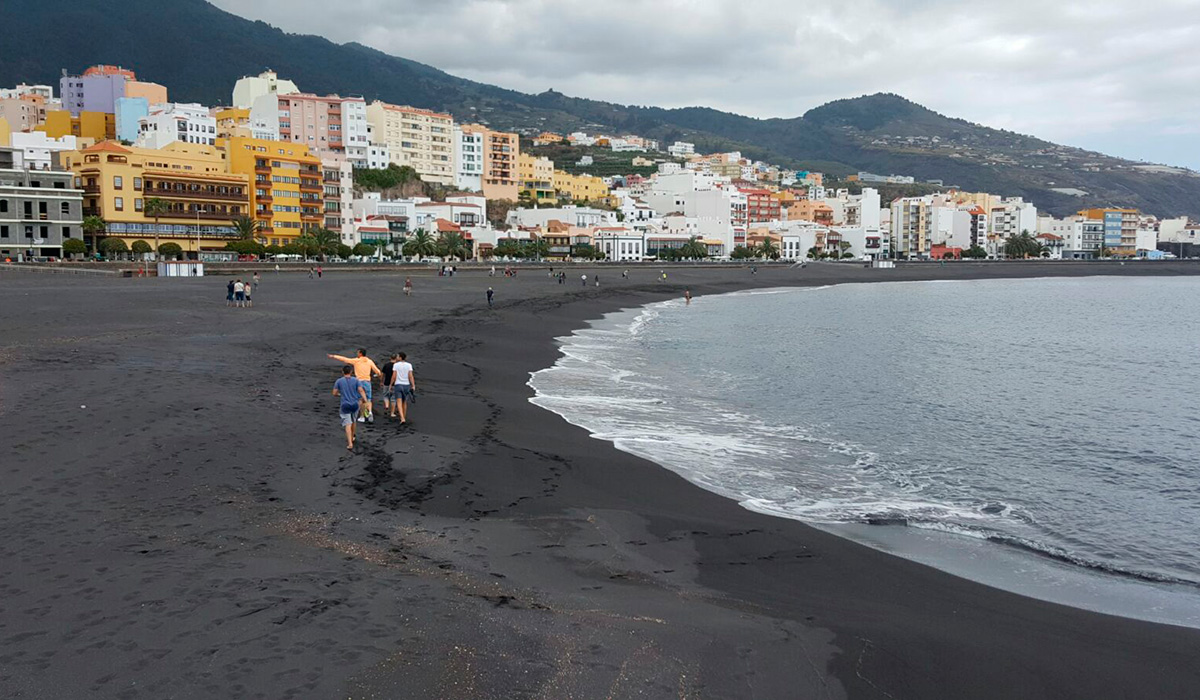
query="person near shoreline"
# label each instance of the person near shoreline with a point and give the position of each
(583, 279)
(364, 369)
(597, 280)
(247, 289)
(388, 406)
(664, 275)
(239, 293)
(229, 293)
(687, 297)
(352, 396)
(490, 294)
(408, 286)
(624, 274)
(404, 385)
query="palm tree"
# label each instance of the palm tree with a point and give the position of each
(768, 249)
(814, 252)
(421, 244)
(308, 244)
(536, 248)
(247, 228)
(92, 227)
(326, 241)
(156, 208)
(1022, 246)
(452, 245)
(694, 249)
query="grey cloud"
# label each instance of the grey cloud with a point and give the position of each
(1106, 74)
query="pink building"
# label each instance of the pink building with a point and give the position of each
(329, 126)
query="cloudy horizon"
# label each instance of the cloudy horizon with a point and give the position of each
(1108, 76)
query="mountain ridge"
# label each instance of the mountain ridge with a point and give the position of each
(883, 133)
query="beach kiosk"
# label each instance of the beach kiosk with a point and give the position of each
(180, 268)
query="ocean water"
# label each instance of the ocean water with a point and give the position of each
(1037, 435)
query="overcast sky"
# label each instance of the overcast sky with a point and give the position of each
(1116, 76)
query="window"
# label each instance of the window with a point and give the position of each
(118, 182)
(119, 203)
(65, 208)
(60, 185)
(43, 232)
(3, 232)
(66, 231)
(3, 205)
(137, 205)
(137, 183)
(29, 232)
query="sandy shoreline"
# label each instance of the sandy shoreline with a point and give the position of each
(196, 531)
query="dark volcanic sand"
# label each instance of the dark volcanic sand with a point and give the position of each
(199, 531)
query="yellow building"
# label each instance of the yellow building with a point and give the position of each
(536, 176)
(5, 132)
(98, 126)
(579, 188)
(547, 138)
(203, 197)
(287, 197)
(233, 122)
(418, 138)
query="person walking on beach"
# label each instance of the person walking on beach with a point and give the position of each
(624, 274)
(687, 297)
(229, 293)
(664, 275)
(408, 286)
(319, 271)
(239, 293)
(256, 279)
(404, 385)
(388, 406)
(277, 268)
(247, 289)
(311, 271)
(583, 279)
(351, 394)
(490, 293)
(492, 272)
(364, 369)
(597, 280)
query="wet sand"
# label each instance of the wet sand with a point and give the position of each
(182, 520)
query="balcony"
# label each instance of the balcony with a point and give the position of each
(193, 194)
(91, 211)
(91, 189)
(262, 169)
(264, 199)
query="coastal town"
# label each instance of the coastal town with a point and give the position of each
(105, 166)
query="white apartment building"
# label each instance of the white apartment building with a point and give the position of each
(618, 243)
(1082, 238)
(682, 149)
(249, 88)
(174, 121)
(1011, 216)
(38, 148)
(356, 140)
(467, 211)
(419, 138)
(468, 160)
(910, 226)
(337, 179)
(571, 215)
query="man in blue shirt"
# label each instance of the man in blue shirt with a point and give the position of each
(351, 393)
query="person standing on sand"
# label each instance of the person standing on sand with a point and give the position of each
(687, 297)
(277, 268)
(583, 279)
(319, 271)
(624, 274)
(256, 279)
(490, 293)
(492, 272)
(597, 280)
(229, 294)
(311, 271)
(404, 385)
(247, 289)
(350, 391)
(364, 368)
(388, 406)
(408, 286)
(239, 293)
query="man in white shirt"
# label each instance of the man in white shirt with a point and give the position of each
(239, 293)
(404, 385)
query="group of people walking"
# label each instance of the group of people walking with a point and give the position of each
(354, 389)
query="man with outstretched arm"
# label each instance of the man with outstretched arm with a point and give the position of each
(352, 395)
(364, 368)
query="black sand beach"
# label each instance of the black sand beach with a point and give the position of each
(181, 518)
